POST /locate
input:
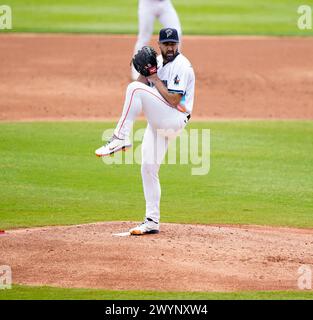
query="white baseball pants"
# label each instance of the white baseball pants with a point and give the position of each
(164, 123)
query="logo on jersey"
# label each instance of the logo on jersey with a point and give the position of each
(168, 32)
(176, 80)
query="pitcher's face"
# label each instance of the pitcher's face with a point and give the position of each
(168, 50)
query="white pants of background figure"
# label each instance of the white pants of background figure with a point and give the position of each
(148, 11)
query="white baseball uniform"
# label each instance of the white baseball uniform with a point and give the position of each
(148, 11)
(178, 76)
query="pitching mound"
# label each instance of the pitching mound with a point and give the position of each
(180, 258)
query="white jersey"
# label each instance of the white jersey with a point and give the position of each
(178, 76)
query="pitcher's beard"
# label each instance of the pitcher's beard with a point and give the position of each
(169, 58)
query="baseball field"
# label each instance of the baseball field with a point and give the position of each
(241, 231)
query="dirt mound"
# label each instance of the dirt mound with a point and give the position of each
(85, 76)
(180, 258)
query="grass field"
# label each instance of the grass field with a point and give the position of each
(253, 17)
(261, 173)
(49, 293)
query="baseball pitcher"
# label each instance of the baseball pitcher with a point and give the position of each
(164, 92)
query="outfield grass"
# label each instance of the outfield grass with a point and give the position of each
(49, 293)
(261, 173)
(269, 17)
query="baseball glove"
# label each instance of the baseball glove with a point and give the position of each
(145, 61)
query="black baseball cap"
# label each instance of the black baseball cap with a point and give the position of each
(168, 35)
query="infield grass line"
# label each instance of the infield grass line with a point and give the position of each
(22, 292)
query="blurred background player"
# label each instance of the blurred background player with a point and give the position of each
(148, 11)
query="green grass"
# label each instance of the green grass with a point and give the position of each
(261, 173)
(256, 17)
(49, 293)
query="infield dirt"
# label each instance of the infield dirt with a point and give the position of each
(180, 258)
(84, 76)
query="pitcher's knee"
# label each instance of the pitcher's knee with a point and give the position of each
(132, 86)
(135, 86)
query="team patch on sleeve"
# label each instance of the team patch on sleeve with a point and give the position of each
(176, 80)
